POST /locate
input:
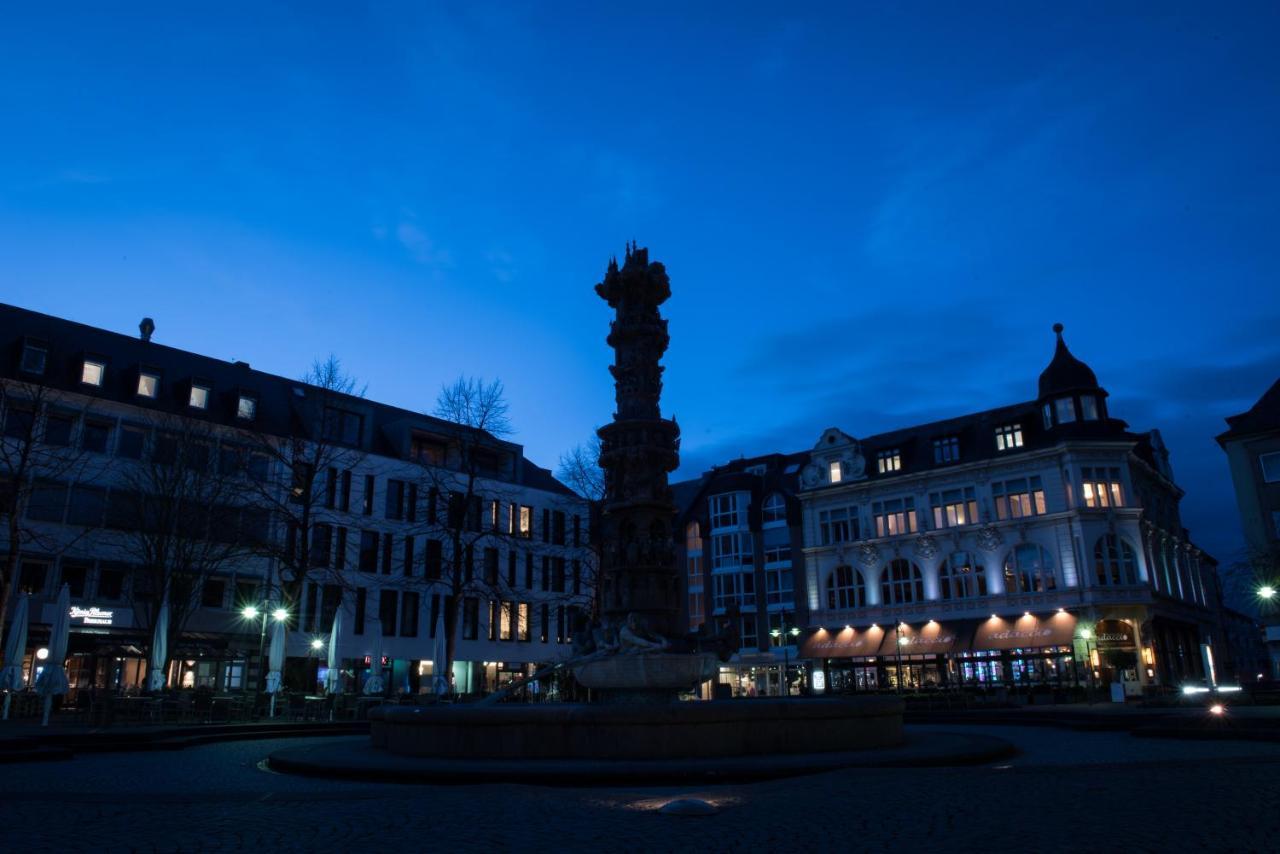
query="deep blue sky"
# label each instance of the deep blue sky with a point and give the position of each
(871, 214)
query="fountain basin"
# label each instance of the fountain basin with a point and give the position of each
(676, 730)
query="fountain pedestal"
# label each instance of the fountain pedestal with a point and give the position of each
(646, 677)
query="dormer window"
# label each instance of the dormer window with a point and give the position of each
(199, 398)
(887, 461)
(34, 357)
(246, 408)
(1089, 407)
(1065, 410)
(1008, 437)
(148, 384)
(833, 470)
(946, 449)
(1047, 412)
(92, 372)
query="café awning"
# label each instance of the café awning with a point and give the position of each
(932, 638)
(843, 643)
(1027, 631)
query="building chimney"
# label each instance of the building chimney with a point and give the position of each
(146, 327)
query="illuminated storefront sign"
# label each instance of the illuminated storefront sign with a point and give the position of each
(92, 616)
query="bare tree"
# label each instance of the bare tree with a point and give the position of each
(579, 469)
(38, 460)
(309, 472)
(178, 514)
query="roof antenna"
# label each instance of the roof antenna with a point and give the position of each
(146, 327)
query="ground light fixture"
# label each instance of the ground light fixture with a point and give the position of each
(1217, 709)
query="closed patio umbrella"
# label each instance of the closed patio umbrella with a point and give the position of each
(15, 648)
(440, 660)
(275, 662)
(53, 679)
(159, 649)
(374, 684)
(333, 680)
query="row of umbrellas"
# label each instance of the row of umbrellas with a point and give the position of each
(53, 677)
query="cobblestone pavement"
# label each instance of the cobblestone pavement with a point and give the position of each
(1067, 791)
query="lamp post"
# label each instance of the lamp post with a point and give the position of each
(1266, 592)
(776, 634)
(253, 612)
(898, 641)
(1086, 635)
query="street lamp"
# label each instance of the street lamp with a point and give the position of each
(776, 634)
(1086, 635)
(253, 612)
(1267, 592)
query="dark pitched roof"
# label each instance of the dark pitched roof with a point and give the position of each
(1065, 373)
(1261, 417)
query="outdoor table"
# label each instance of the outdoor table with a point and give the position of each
(314, 705)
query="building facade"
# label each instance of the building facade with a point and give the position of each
(1252, 445)
(1036, 544)
(129, 467)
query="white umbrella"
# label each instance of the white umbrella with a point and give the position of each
(53, 679)
(440, 659)
(15, 649)
(275, 662)
(333, 679)
(374, 684)
(159, 649)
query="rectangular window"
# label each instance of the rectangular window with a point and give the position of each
(780, 586)
(522, 622)
(19, 422)
(506, 620)
(730, 588)
(331, 488)
(408, 555)
(894, 518)
(528, 572)
(839, 525)
(526, 521)
(490, 566)
(74, 576)
(724, 511)
(1089, 407)
(387, 546)
(95, 436)
(946, 449)
(887, 461)
(560, 632)
(395, 499)
(34, 357)
(367, 509)
(32, 576)
(1016, 499)
(544, 624)
(433, 500)
(1101, 487)
(132, 441)
(342, 426)
(835, 471)
(340, 549)
(199, 397)
(321, 545)
(214, 593)
(388, 602)
(557, 528)
(344, 496)
(697, 610)
(1270, 464)
(92, 372)
(47, 501)
(1065, 409)
(546, 525)
(511, 569)
(430, 452)
(148, 385)
(1008, 437)
(368, 551)
(557, 574)
(110, 583)
(470, 618)
(577, 578)
(246, 408)
(434, 565)
(546, 572)
(953, 508)
(409, 605)
(57, 430)
(411, 504)
(731, 550)
(577, 531)
(362, 603)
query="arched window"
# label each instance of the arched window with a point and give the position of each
(845, 589)
(1028, 569)
(774, 510)
(1114, 561)
(901, 583)
(961, 576)
(693, 537)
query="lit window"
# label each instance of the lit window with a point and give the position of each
(1065, 409)
(526, 521)
(693, 537)
(1008, 437)
(946, 450)
(954, 508)
(199, 397)
(148, 385)
(34, 357)
(91, 373)
(1089, 407)
(1270, 466)
(1015, 499)
(247, 408)
(1101, 487)
(894, 517)
(834, 469)
(887, 461)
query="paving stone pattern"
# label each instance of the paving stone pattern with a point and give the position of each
(1068, 791)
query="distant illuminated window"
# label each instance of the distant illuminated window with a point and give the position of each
(887, 461)
(834, 469)
(247, 408)
(92, 372)
(148, 385)
(199, 397)
(1008, 437)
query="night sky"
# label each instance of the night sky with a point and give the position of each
(871, 216)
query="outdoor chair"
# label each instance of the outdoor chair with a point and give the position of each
(297, 707)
